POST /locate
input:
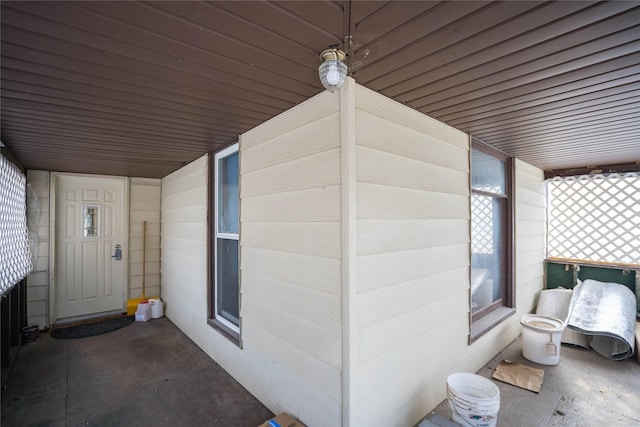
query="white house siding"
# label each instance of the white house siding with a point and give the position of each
(354, 246)
(144, 205)
(290, 240)
(38, 224)
(413, 261)
(184, 248)
(530, 236)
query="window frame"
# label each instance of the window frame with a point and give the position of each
(491, 316)
(226, 328)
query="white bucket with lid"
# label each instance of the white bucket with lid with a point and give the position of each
(541, 337)
(473, 400)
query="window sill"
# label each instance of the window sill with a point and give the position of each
(490, 321)
(229, 334)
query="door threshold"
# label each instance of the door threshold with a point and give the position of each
(87, 318)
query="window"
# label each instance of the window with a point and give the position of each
(91, 219)
(224, 263)
(491, 238)
(594, 218)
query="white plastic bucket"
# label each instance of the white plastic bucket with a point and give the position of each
(541, 336)
(473, 400)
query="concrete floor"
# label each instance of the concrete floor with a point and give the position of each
(584, 389)
(147, 373)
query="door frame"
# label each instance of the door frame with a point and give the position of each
(52, 238)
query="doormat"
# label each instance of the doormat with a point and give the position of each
(91, 329)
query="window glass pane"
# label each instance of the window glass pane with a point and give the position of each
(91, 221)
(227, 298)
(228, 197)
(487, 172)
(486, 255)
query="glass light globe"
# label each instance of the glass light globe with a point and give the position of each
(332, 74)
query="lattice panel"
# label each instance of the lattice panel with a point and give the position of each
(595, 218)
(15, 255)
(481, 224)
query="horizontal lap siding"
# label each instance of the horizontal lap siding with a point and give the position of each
(530, 235)
(412, 258)
(409, 295)
(144, 205)
(313, 204)
(384, 168)
(318, 273)
(38, 224)
(184, 246)
(410, 252)
(290, 241)
(381, 270)
(311, 238)
(403, 203)
(184, 282)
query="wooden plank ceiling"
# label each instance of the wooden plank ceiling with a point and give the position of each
(142, 88)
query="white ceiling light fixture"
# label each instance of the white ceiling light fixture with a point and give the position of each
(333, 70)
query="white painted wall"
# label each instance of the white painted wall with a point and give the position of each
(530, 236)
(183, 248)
(38, 224)
(354, 260)
(144, 205)
(413, 261)
(290, 241)
(290, 262)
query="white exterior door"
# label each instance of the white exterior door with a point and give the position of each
(89, 226)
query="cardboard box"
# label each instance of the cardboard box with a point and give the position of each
(282, 420)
